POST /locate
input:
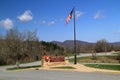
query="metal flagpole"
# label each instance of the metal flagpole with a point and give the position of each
(75, 55)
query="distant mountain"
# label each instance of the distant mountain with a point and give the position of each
(115, 43)
(58, 43)
(69, 43)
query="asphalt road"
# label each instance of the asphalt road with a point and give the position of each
(53, 75)
(56, 75)
(90, 54)
(2, 68)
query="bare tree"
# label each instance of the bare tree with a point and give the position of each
(32, 45)
(14, 43)
(3, 49)
(102, 46)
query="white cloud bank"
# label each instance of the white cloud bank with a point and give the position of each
(26, 16)
(7, 23)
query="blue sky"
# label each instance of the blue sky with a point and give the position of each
(95, 19)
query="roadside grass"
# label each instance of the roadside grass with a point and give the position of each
(99, 59)
(19, 62)
(117, 53)
(27, 67)
(69, 54)
(104, 66)
(64, 67)
(79, 58)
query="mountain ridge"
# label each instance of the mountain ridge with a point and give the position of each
(68, 43)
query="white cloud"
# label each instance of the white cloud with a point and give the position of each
(98, 15)
(26, 16)
(43, 22)
(79, 14)
(51, 23)
(7, 23)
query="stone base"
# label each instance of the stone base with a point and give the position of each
(55, 63)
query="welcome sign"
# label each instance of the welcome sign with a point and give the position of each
(54, 58)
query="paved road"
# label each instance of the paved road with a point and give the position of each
(39, 62)
(53, 75)
(90, 54)
(56, 75)
(2, 68)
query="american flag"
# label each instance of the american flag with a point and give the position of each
(69, 16)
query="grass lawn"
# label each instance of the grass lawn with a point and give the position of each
(117, 53)
(79, 58)
(99, 59)
(104, 66)
(69, 54)
(15, 68)
(64, 67)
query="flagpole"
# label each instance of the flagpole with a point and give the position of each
(75, 55)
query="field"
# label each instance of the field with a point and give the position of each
(98, 59)
(27, 67)
(104, 66)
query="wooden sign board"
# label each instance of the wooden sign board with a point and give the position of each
(54, 59)
(57, 59)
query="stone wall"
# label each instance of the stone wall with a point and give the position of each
(52, 61)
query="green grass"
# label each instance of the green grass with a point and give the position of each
(79, 58)
(27, 67)
(69, 54)
(117, 53)
(64, 67)
(104, 66)
(99, 59)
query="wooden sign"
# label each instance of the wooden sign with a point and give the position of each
(54, 58)
(57, 59)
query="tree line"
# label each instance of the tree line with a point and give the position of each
(100, 46)
(18, 47)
